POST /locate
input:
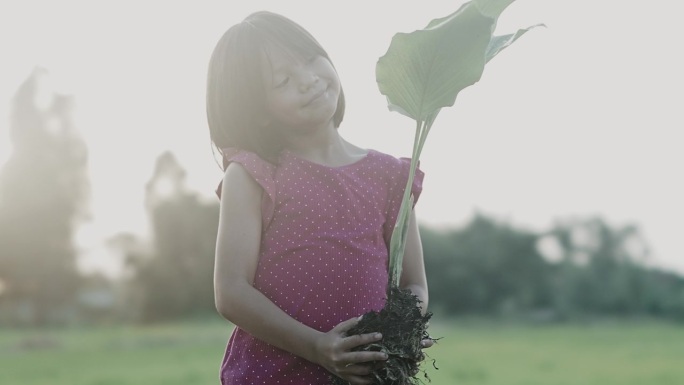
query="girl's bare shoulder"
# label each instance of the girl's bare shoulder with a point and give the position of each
(238, 180)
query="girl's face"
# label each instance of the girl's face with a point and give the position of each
(301, 93)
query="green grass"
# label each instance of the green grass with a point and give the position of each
(600, 354)
(189, 353)
(176, 354)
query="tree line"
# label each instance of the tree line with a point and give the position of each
(580, 267)
(588, 268)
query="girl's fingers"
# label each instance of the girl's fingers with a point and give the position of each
(358, 380)
(356, 374)
(358, 369)
(363, 356)
(355, 340)
(346, 325)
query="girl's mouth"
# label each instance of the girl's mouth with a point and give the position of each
(315, 97)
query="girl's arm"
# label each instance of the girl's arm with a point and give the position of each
(413, 267)
(237, 254)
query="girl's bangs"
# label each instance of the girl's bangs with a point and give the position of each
(288, 38)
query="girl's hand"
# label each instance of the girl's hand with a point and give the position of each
(424, 344)
(334, 353)
(427, 343)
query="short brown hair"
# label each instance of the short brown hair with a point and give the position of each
(236, 102)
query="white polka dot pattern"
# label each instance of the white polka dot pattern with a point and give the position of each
(323, 256)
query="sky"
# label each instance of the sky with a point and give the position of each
(574, 120)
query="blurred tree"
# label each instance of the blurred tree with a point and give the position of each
(486, 267)
(43, 197)
(492, 268)
(175, 278)
(602, 271)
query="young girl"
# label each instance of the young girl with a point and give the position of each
(305, 218)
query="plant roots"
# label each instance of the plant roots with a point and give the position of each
(403, 327)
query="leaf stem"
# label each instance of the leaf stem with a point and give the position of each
(398, 239)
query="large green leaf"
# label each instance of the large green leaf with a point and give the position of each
(498, 43)
(423, 71)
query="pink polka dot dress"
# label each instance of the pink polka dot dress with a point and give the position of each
(324, 252)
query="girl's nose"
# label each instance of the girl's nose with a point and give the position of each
(307, 80)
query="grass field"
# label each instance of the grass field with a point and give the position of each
(189, 353)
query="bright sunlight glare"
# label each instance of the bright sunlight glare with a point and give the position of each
(576, 119)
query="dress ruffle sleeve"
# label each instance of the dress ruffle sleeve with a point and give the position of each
(417, 186)
(260, 170)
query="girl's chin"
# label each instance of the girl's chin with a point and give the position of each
(313, 127)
